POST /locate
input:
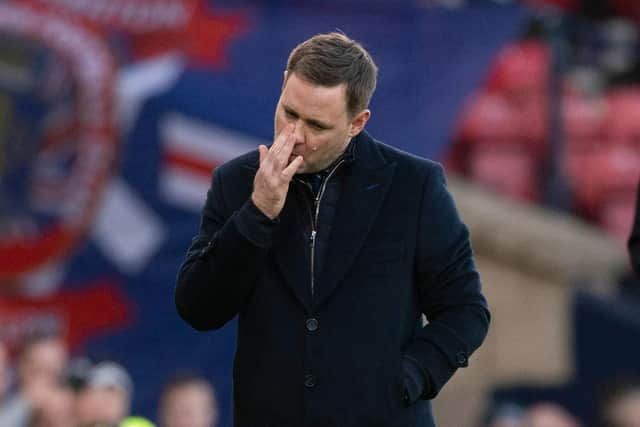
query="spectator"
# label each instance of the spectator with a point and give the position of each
(620, 406)
(55, 409)
(136, 422)
(105, 397)
(5, 382)
(188, 401)
(41, 360)
(506, 415)
(77, 372)
(42, 356)
(549, 415)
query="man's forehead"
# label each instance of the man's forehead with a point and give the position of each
(313, 99)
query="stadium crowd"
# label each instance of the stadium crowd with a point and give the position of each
(41, 385)
(556, 122)
(619, 406)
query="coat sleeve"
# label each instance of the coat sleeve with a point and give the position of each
(634, 239)
(448, 287)
(224, 261)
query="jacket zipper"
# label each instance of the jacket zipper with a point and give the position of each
(314, 223)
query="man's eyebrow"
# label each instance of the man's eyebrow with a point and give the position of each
(318, 124)
(290, 110)
(313, 122)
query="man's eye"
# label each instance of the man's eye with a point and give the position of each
(290, 114)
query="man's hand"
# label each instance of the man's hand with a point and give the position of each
(271, 184)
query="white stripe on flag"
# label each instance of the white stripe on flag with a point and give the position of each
(126, 230)
(203, 140)
(183, 188)
(207, 144)
(138, 82)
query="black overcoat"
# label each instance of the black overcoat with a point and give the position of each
(397, 250)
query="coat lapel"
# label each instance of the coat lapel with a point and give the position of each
(289, 245)
(289, 249)
(366, 183)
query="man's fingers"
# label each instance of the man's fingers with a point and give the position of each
(293, 167)
(263, 150)
(285, 152)
(281, 139)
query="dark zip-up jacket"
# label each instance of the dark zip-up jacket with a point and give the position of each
(340, 355)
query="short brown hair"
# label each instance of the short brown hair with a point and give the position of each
(332, 59)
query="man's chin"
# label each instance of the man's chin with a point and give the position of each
(302, 170)
(307, 168)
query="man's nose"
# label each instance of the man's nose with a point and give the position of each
(298, 133)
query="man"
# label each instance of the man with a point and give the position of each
(42, 355)
(188, 401)
(634, 239)
(549, 414)
(619, 405)
(55, 408)
(105, 397)
(41, 359)
(329, 246)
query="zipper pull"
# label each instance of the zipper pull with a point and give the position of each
(312, 238)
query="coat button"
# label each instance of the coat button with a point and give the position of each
(309, 381)
(461, 358)
(312, 324)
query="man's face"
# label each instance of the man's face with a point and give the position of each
(323, 127)
(44, 361)
(189, 406)
(625, 411)
(55, 408)
(101, 404)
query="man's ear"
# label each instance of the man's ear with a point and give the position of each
(358, 122)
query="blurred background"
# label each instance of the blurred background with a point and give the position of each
(113, 113)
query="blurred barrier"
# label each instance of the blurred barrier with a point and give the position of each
(544, 243)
